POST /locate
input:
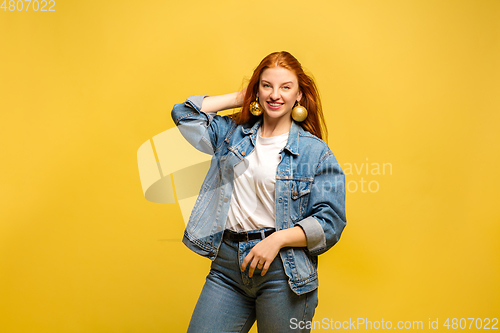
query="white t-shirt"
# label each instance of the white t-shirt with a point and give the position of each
(252, 202)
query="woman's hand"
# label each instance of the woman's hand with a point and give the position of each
(240, 97)
(223, 102)
(263, 253)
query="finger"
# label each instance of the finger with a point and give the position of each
(252, 267)
(266, 267)
(246, 261)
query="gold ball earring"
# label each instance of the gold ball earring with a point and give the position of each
(299, 113)
(255, 107)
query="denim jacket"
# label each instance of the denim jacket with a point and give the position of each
(309, 189)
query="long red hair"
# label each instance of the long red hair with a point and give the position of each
(315, 122)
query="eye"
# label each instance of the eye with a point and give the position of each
(266, 85)
(286, 87)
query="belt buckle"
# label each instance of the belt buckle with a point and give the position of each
(246, 235)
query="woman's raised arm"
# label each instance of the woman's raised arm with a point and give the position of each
(223, 102)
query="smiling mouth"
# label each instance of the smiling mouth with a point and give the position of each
(274, 106)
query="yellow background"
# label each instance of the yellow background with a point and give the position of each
(411, 83)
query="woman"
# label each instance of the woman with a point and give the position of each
(272, 201)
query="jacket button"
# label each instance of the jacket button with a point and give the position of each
(226, 199)
(243, 153)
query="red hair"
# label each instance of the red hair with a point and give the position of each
(315, 122)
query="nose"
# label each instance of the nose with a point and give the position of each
(275, 94)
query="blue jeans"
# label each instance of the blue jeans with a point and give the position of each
(231, 301)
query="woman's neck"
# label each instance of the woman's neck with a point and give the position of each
(275, 127)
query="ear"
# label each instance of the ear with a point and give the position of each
(300, 96)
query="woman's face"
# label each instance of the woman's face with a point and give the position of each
(278, 91)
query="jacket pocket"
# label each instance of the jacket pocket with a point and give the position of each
(300, 267)
(300, 192)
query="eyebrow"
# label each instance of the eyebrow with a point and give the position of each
(289, 82)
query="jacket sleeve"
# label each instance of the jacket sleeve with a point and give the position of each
(327, 219)
(203, 130)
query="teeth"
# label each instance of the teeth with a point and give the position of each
(274, 104)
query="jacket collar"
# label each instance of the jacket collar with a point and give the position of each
(292, 144)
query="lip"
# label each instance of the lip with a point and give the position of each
(274, 107)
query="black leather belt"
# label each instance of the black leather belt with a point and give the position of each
(245, 236)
